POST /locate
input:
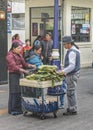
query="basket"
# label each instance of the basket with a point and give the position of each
(39, 108)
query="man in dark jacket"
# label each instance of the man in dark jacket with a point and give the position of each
(47, 45)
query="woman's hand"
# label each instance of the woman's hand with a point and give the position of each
(32, 66)
(24, 71)
(42, 57)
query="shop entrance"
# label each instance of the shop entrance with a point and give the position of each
(41, 21)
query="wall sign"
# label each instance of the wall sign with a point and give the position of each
(8, 22)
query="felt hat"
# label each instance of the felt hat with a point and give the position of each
(67, 39)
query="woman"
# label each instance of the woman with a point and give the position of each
(38, 40)
(16, 38)
(16, 65)
(35, 56)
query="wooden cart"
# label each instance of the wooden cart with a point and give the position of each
(42, 85)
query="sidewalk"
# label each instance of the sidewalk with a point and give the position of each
(3, 99)
(82, 121)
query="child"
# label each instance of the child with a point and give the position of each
(26, 48)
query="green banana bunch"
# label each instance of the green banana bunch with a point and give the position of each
(46, 72)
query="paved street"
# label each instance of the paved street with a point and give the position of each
(82, 121)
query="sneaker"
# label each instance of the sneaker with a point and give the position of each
(70, 113)
(61, 106)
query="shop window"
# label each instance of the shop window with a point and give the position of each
(18, 21)
(42, 21)
(80, 24)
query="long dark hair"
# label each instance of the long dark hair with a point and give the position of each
(75, 45)
(14, 45)
(36, 47)
(16, 35)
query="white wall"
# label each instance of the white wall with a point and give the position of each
(85, 47)
(19, 7)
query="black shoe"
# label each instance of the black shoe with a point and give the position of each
(69, 113)
(68, 110)
(16, 113)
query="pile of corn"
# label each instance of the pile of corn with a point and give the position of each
(46, 72)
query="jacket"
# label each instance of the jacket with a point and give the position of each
(34, 59)
(15, 62)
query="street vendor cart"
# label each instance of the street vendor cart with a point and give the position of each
(39, 106)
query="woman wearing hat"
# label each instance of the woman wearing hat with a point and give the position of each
(71, 70)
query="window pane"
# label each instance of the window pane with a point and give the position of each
(80, 24)
(18, 21)
(42, 20)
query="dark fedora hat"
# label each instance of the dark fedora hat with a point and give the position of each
(67, 39)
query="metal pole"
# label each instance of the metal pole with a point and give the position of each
(62, 31)
(56, 24)
(55, 51)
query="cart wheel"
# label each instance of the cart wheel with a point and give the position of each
(54, 113)
(42, 117)
(24, 113)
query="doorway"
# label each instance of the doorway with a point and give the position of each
(42, 21)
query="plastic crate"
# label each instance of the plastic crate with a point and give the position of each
(30, 92)
(46, 108)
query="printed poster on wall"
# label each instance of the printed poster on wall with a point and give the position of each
(73, 29)
(34, 29)
(85, 29)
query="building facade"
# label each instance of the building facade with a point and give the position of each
(75, 19)
(3, 41)
(18, 19)
(79, 23)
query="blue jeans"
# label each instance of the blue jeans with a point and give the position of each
(63, 87)
(62, 97)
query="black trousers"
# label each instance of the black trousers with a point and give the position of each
(46, 61)
(14, 104)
